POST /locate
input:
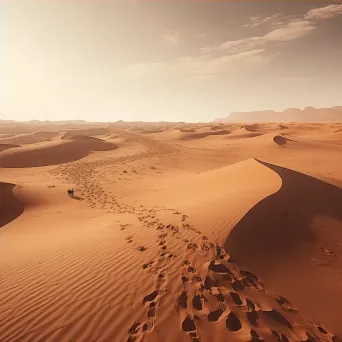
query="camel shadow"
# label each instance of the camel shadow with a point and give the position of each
(279, 223)
(78, 198)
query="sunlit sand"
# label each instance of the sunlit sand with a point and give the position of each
(176, 232)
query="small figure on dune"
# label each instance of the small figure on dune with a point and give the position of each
(71, 192)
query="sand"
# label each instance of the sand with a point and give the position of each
(177, 232)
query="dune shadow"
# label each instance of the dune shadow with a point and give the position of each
(10, 206)
(280, 140)
(200, 135)
(76, 148)
(279, 223)
(4, 147)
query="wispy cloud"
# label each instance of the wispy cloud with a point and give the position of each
(202, 35)
(258, 21)
(171, 38)
(190, 67)
(241, 54)
(323, 13)
(283, 29)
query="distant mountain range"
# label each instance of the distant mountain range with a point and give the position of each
(308, 114)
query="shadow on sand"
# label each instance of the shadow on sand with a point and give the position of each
(279, 223)
(77, 198)
(10, 206)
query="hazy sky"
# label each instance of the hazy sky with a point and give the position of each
(167, 60)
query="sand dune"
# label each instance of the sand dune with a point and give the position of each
(281, 231)
(200, 232)
(200, 135)
(30, 138)
(76, 148)
(85, 132)
(4, 147)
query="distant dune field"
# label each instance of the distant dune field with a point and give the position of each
(177, 232)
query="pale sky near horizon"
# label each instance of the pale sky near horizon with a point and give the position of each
(167, 60)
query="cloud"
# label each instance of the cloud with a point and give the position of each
(291, 31)
(194, 67)
(202, 35)
(171, 39)
(222, 64)
(258, 21)
(323, 13)
(283, 29)
(236, 55)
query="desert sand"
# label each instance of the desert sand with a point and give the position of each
(177, 232)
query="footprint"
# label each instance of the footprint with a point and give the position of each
(255, 336)
(218, 268)
(221, 302)
(183, 300)
(151, 297)
(198, 302)
(251, 282)
(233, 323)
(279, 336)
(188, 326)
(193, 246)
(277, 317)
(161, 236)
(222, 254)
(151, 315)
(215, 315)
(148, 265)
(327, 251)
(237, 285)
(185, 281)
(192, 269)
(209, 286)
(285, 304)
(252, 318)
(250, 305)
(236, 298)
(134, 332)
(320, 262)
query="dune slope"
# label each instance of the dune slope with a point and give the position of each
(281, 235)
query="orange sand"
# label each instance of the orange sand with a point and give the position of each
(178, 232)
